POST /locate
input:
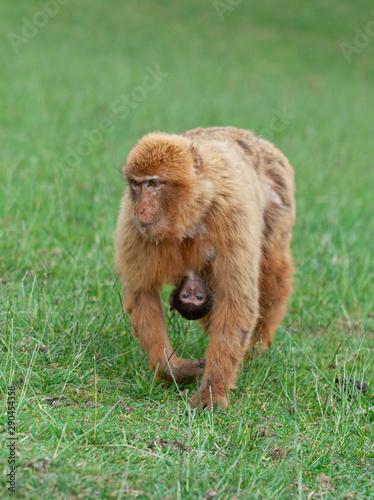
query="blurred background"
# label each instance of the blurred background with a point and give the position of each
(82, 81)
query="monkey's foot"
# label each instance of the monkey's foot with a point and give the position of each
(209, 400)
(184, 370)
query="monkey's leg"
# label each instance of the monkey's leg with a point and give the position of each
(275, 289)
(149, 326)
(227, 346)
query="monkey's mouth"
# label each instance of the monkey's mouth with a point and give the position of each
(145, 226)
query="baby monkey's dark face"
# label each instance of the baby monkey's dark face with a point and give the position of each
(192, 298)
(192, 292)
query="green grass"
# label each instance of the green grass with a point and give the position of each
(115, 432)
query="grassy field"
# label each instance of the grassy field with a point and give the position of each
(81, 82)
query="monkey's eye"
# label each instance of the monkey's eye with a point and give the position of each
(185, 295)
(134, 183)
(199, 297)
(154, 182)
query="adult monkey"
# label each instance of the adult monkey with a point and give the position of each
(218, 191)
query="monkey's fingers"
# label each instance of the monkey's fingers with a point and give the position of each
(208, 400)
(184, 370)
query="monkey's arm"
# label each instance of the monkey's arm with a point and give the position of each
(135, 265)
(233, 318)
(149, 326)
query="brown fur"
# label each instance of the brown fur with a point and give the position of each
(226, 194)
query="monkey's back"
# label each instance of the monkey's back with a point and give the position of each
(271, 167)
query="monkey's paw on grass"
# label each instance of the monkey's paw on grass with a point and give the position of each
(183, 370)
(206, 400)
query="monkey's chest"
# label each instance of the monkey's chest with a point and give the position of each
(195, 255)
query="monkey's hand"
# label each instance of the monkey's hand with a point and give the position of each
(184, 370)
(208, 400)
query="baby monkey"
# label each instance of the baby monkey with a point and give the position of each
(193, 298)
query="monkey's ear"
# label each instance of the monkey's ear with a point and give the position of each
(172, 300)
(198, 161)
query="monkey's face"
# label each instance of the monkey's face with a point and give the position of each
(167, 186)
(192, 293)
(192, 299)
(150, 197)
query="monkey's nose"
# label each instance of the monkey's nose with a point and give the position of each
(144, 218)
